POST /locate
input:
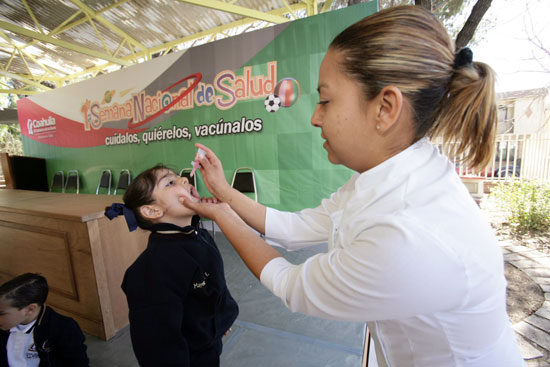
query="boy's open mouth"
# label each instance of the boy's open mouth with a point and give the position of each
(194, 193)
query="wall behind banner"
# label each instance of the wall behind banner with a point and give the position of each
(213, 94)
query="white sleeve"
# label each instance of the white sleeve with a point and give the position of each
(308, 227)
(391, 270)
(294, 231)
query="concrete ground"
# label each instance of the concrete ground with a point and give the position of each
(265, 334)
(533, 333)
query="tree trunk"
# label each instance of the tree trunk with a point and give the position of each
(467, 32)
(426, 4)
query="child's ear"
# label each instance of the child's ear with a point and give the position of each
(32, 308)
(151, 211)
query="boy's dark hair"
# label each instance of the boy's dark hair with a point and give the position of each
(24, 290)
(140, 192)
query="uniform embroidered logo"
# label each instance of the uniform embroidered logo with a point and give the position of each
(203, 283)
(31, 352)
(199, 285)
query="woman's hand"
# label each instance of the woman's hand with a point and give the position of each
(208, 207)
(247, 209)
(212, 173)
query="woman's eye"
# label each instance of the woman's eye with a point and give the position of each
(323, 102)
(170, 183)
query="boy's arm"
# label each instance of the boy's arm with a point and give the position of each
(70, 346)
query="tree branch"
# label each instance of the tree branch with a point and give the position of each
(426, 4)
(467, 32)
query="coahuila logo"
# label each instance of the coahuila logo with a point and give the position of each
(41, 126)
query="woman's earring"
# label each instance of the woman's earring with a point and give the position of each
(377, 127)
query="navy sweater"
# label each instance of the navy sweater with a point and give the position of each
(179, 303)
(58, 339)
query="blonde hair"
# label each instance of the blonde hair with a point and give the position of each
(407, 47)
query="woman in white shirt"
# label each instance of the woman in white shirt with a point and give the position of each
(409, 252)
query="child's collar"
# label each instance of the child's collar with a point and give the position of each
(169, 228)
(38, 319)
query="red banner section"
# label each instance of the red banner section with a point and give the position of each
(47, 127)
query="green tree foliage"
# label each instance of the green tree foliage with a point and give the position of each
(10, 135)
(445, 10)
(10, 139)
(8, 100)
(452, 13)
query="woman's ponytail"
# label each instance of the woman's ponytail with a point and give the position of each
(466, 119)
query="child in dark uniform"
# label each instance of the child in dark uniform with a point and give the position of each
(179, 303)
(33, 334)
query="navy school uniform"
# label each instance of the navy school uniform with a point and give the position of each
(58, 339)
(179, 303)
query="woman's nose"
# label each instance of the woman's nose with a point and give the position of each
(316, 117)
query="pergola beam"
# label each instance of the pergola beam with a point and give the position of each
(194, 36)
(95, 15)
(139, 52)
(238, 10)
(24, 80)
(71, 46)
(20, 91)
(327, 5)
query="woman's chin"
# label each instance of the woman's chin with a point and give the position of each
(332, 159)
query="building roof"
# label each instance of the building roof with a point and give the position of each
(505, 96)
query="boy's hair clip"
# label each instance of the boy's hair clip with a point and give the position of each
(117, 209)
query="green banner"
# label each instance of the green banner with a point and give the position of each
(249, 98)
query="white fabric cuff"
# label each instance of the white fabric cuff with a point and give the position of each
(273, 219)
(271, 270)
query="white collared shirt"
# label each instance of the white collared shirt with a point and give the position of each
(21, 349)
(409, 253)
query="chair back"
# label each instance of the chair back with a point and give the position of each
(58, 182)
(73, 182)
(244, 181)
(186, 172)
(123, 181)
(104, 182)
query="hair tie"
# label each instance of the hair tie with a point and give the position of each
(118, 209)
(463, 58)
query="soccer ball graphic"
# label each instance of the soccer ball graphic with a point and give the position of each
(272, 103)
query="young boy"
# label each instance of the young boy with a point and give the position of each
(179, 303)
(33, 334)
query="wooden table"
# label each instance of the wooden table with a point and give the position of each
(82, 254)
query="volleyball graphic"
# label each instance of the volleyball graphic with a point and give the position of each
(288, 90)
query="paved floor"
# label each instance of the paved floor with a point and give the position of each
(533, 333)
(267, 334)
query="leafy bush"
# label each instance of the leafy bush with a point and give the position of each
(527, 204)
